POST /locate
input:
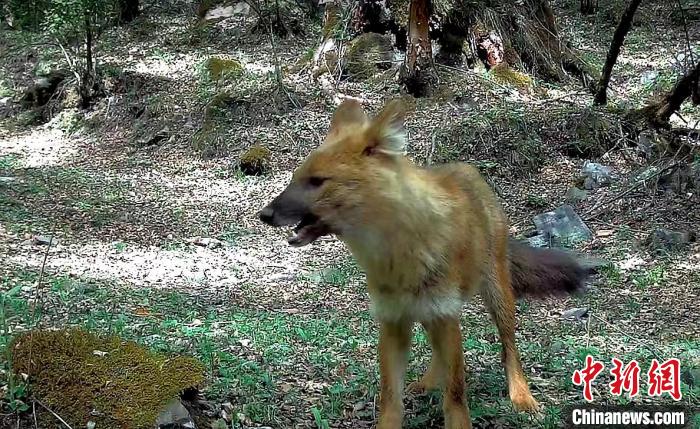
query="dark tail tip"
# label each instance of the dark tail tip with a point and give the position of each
(545, 272)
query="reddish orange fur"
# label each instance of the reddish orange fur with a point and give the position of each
(428, 239)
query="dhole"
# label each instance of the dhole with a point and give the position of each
(428, 239)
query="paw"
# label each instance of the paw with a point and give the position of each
(524, 401)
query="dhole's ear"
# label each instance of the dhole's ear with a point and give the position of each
(348, 113)
(387, 134)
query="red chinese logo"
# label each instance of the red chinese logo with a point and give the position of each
(626, 377)
(586, 376)
(665, 378)
(662, 378)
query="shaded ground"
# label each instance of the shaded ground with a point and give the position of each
(285, 333)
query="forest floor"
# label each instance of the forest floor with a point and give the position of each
(286, 334)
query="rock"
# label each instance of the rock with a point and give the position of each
(7, 179)
(367, 55)
(596, 175)
(561, 227)
(209, 243)
(155, 138)
(647, 143)
(91, 425)
(649, 77)
(667, 240)
(241, 9)
(44, 240)
(575, 313)
(681, 179)
(175, 416)
(255, 161)
(575, 195)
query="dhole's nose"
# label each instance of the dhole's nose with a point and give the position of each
(266, 215)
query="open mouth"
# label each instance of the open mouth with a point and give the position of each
(307, 231)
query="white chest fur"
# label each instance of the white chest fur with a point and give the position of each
(422, 307)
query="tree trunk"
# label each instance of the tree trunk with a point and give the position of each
(623, 28)
(128, 10)
(87, 81)
(589, 7)
(418, 71)
(658, 114)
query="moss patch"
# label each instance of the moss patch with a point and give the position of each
(502, 73)
(113, 382)
(255, 161)
(220, 68)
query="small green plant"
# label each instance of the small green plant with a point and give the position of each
(321, 422)
(16, 391)
(119, 247)
(649, 278)
(536, 201)
(9, 162)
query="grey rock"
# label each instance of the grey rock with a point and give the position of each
(666, 240)
(175, 416)
(649, 77)
(596, 175)
(562, 226)
(647, 143)
(575, 313)
(575, 195)
(44, 240)
(7, 179)
(210, 243)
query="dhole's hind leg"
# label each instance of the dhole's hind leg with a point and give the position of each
(501, 304)
(434, 377)
(446, 339)
(394, 344)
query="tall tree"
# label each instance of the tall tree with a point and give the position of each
(418, 71)
(601, 96)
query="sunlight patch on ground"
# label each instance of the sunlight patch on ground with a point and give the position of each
(41, 147)
(193, 266)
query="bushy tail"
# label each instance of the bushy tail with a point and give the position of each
(544, 272)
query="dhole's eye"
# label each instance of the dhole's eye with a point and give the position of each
(316, 181)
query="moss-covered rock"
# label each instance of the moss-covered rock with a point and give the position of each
(221, 68)
(368, 54)
(115, 383)
(255, 161)
(504, 74)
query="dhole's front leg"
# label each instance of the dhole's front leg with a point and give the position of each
(394, 343)
(446, 341)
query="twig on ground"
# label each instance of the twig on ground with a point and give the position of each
(623, 333)
(590, 213)
(54, 414)
(36, 424)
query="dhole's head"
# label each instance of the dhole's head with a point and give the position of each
(338, 186)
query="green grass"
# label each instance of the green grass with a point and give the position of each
(263, 361)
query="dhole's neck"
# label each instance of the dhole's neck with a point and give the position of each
(406, 225)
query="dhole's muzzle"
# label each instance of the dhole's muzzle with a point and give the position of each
(291, 208)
